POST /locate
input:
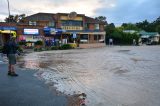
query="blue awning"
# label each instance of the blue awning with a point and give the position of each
(8, 28)
(53, 31)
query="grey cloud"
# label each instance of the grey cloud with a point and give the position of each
(131, 11)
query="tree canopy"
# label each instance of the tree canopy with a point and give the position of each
(15, 18)
(101, 18)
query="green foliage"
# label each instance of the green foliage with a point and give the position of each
(54, 48)
(109, 29)
(39, 42)
(129, 26)
(1, 49)
(149, 26)
(158, 29)
(66, 46)
(121, 38)
(20, 49)
(102, 19)
(22, 43)
(15, 18)
(38, 49)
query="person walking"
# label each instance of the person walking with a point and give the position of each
(110, 42)
(11, 48)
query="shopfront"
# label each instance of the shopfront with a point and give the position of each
(6, 32)
(30, 35)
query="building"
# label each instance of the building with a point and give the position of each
(60, 27)
(149, 37)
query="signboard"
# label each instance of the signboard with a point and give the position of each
(74, 35)
(31, 31)
(7, 28)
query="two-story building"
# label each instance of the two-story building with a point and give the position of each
(64, 27)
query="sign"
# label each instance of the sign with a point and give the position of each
(74, 35)
(31, 31)
(52, 31)
(7, 28)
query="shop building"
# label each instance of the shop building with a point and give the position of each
(63, 27)
(70, 26)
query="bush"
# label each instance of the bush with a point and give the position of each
(73, 45)
(38, 49)
(66, 46)
(54, 48)
(20, 49)
(1, 49)
(122, 38)
(22, 43)
(39, 42)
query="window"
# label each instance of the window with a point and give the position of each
(84, 36)
(32, 22)
(97, 37)
(71, 23)
(96, 26)
(51, 24)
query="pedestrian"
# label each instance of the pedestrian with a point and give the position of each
(110, 41)
(134, 42)
(11, 48)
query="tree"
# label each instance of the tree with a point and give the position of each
(158, 29)
(15, 19)
(102, 19)
(110, 28)
(129, 26)
(143, 25)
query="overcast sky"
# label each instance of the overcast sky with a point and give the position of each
(116, 11)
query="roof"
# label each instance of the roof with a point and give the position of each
(41, 16)
(92, 20)
(143, 33)
(53, 17)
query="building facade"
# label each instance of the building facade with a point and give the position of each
(59, 27)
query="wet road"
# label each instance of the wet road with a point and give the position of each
(110, 76)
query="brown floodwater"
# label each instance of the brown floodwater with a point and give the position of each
(110, 76)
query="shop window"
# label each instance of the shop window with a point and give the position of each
(84, 36)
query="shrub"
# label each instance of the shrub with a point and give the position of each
(54, 48)
(20, 49)
(38, 49)
(39, 42)
(22, 43)
(1, 49)
(73, 45)
(66, 46)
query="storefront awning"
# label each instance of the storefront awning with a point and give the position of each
(88, 33)
(8, 32)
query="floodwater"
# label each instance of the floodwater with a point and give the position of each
(110, 76)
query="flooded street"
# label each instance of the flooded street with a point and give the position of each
(110, 76)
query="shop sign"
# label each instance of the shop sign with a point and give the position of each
(7, 28)
(31, 31)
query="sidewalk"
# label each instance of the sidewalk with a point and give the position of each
(26, 90)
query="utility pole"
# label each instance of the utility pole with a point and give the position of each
(9, 16)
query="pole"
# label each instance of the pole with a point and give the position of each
(9, 16)
(8, 8)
